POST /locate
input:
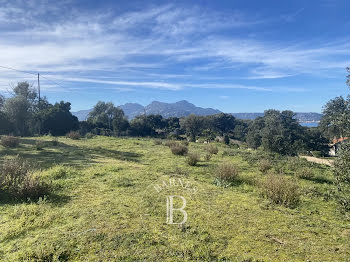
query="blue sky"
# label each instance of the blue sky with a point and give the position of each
(236, 56)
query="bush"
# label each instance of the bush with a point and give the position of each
(226, 140)
(17, 180)
(207, 156)
(342, 176)
(39, 145)
(170, 143)
(193, 158)
(264, 166)
(178, 149)
(212, 149)
(227, 172)
(157, 142)
(54, 142)
(73, 135)
(281, 190)
(317, 153)
(305, 173)
(185, 142)
(89, 135)
(9, 141)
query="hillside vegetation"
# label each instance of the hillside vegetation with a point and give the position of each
(248, 205)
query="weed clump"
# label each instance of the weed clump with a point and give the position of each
(227, 172)
(178, 149)
(264, 166)
(207, 156)
(281, 190)
(305, 173)
(193, 158)
(17, 180)
(157, 142)
(212, 149)
(73, 135)
(170, 143)
(39, 145)
(9, 141)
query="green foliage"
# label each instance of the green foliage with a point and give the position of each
(335, 121)
(281, 190)
(282, 133)
(9, 141)
(342, 176)
(305, 173)
(89, 135)
(193, 126)
(57, 119)
(5, 124)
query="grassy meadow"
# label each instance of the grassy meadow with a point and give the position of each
(103, 206)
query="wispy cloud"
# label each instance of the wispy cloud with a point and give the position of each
(60, 41)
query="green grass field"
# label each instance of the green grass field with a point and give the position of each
(104, 207)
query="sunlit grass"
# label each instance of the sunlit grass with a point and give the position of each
(105, 208)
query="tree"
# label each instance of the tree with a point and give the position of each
(222, 123)
(17, 109)
(342, 176)
(58, 120)
(2, 101)
(336, 117)
(254, 132)
(192, 125)
(5, 124)
(120, 125)
(282, 133)
(103, 114)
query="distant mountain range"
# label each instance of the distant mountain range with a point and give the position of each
(184, 108)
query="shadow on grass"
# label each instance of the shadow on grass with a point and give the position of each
(57, 199)
(65, 154)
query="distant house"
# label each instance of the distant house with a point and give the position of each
(334, 146)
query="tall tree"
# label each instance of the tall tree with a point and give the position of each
(193, 126)
(58, 120)
(336, 117)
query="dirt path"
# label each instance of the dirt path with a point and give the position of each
(327, 162)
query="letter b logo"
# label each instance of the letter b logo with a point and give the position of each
(170, 210)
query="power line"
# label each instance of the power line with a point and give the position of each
(48, 79)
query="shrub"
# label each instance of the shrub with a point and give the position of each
(264, 166)
(281, 190)
(39, 145)
(226, 140)
(193, 158)
(73, 135)
(212, 149)
(342, 177)
(178, 149)
(17, 179)
(89, 135)
(305, 173)
(227, 172)
(157, 142)
(54, 142)
(317, 153)
(185, 142)
(9, 141)
(170, 143)
(207, 156)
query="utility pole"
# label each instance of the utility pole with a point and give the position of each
(39, 103)
(39, 88)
